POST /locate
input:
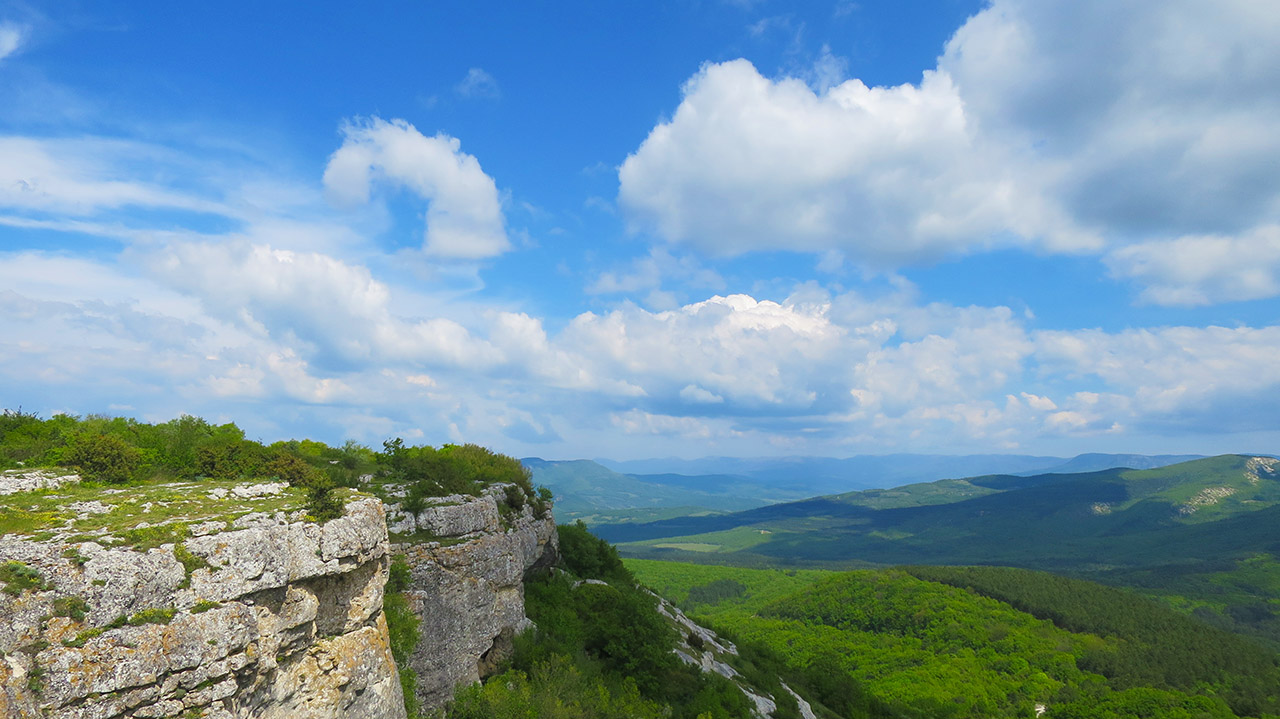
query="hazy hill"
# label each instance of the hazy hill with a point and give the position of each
(587, 490)
(998, 517)
(590, 490)
(830, 475)
(1210, 525)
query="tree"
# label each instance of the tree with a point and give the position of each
(103, 457)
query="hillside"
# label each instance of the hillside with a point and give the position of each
(607, 492)
(937, 642)
(1211, 525)
(831, 475)
(587, 490)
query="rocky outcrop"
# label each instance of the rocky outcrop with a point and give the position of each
(25, 480)
(269, 617)
(708, 651)
(467, 583)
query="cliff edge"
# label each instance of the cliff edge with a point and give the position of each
(233, 605)
(467, 557)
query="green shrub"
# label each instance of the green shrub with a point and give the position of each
(18, 577)
(83, 637)
(71, 607)
(103, 457)
(322, 504)
(554, 689)
(143, 538)
(514, 497)
(229, 458)
(289, 467)
(590, 557)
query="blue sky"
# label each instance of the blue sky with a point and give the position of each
(650, 229)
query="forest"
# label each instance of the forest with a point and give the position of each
(981, 642)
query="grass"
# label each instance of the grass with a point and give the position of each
(731, 540)
(674, 579)
(141, 515)
(689, 546)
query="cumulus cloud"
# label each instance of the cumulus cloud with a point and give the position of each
(1179, 360)
(1147, 118)
(1203, 269)
(464, 212)
(887, 174)
(337, 311)
(753, 353)
(651, 272)
(1066, 126)
(217, 325)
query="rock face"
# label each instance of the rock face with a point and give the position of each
(274, 617)
(26, 480)
(467, 585)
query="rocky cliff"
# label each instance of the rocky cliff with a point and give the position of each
(467, 557)
(221, 600)
(232, 605)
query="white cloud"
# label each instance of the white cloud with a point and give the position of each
(478, 84)
(464, 212)
(888, 175)
(11, 38)
(694, 394)
(1216, 378)
(287, 332)
(639, 422)
(334, 310)
(652, 271)
(1204, 269)
(84, 176)
(752, 353)
(1148, 119)
(1063, 125)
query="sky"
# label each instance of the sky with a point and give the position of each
(649, 229)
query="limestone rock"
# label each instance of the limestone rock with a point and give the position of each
(26, 480)
(285, 621)
(469, 596)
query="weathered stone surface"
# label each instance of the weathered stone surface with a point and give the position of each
(285, 621)
(469, 595)
(708, 652)
(456, 515)
(25, 480)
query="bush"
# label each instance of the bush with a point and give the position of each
(322, 505)
(289, 467)
(590, 557)
(103, 457)
(18, 577)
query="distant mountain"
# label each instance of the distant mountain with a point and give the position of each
(586, 490)
(1209, 528)
(1097, 462)
(1001, 518)
(830, 475)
